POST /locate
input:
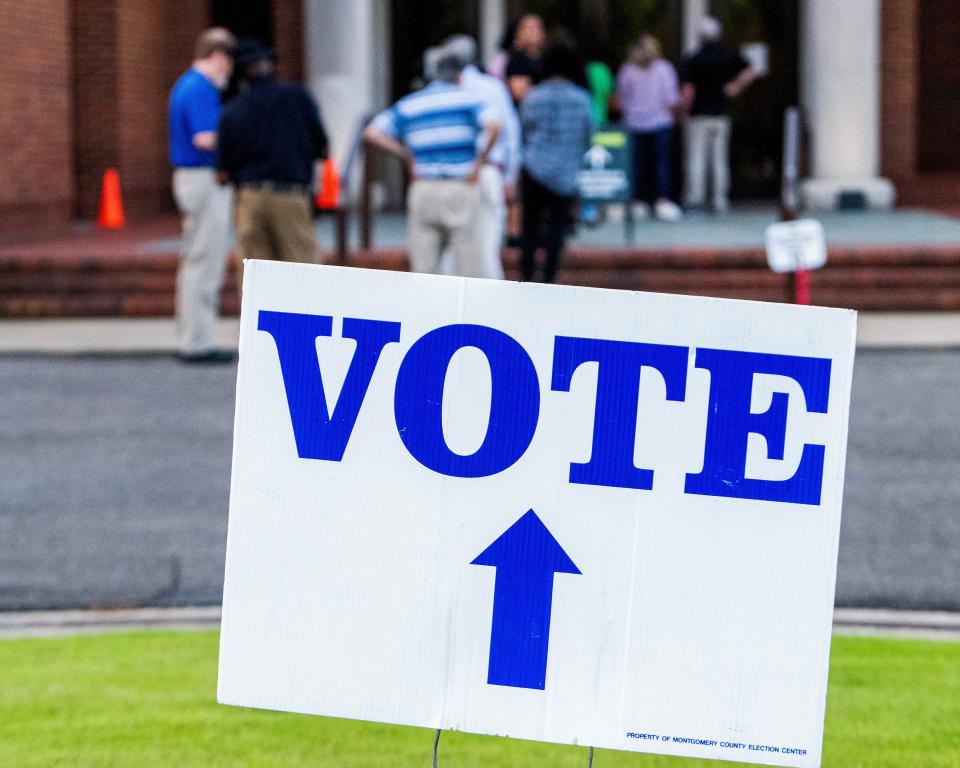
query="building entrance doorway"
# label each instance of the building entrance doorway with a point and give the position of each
(421, 24)
(610, 26)
(245, 18)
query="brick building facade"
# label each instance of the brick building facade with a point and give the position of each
(920, 104)
(84, 84)
(83, 87)
(37, 178)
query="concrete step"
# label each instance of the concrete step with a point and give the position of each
(879, 278)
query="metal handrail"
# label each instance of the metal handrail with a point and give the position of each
(355, 148)
(789, 189)
(342, 210)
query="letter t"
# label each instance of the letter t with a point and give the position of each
(618, 388)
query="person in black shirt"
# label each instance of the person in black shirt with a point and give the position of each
(270, 138)
(525, 66)
(709, 78)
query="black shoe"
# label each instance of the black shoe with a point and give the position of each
(207, 356)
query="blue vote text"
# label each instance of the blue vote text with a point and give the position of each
(324, 434)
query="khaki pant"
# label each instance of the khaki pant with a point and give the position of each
(441, 214)
(491, 223)
(205, 206)
(707, 137)
(275, 225)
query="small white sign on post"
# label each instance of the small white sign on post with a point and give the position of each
(796, 245)
(565, 514)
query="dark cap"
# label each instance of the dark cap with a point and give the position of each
(249, 51)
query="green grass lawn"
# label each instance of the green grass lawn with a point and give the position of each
(147, 699)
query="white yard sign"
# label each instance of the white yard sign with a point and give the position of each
(795, 245)
(565, 514)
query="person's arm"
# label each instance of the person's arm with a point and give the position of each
(376, 136)
(202, 113)
(487, 120)
(519, 86)
(741, 82)
(688, 93)
(318, 136)
(205, 140)
(491, 132)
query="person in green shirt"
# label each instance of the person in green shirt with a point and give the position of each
(600, 79)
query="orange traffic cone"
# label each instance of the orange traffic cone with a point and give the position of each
(328, 196)
(111, 204)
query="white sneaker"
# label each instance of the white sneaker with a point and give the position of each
(640, 211)
(615, 213)
(666, 210)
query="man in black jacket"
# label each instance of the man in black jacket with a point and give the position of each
(709, 79)
(270, 138)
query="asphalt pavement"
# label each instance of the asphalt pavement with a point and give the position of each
(114, 481)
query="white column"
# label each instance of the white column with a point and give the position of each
(347, 55)
(839, 84)
(493, 19)
(693, 13)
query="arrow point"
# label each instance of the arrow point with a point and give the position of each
(527, 544)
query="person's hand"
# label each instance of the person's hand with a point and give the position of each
(474, 174)
(509, 192)
(731, 90)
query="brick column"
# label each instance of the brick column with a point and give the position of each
(96, 90)
(36, 141)
(288, 38)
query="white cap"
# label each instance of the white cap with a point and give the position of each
(463, 47)
(710, 29)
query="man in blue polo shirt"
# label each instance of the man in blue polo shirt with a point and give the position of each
(194, 112)
(437, 131)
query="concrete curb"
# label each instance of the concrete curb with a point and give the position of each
(936, 625)
(102, 336)
(157, 335)
(930, 625)
(80, 622)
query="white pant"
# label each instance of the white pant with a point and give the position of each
(206, 207)
(707, 136)
(492, 221)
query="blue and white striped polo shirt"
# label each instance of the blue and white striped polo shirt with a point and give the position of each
(440, 124)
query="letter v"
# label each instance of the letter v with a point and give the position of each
(319, 434)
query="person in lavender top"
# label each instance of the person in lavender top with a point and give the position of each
(648, 94)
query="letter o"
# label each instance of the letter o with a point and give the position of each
(514, 400)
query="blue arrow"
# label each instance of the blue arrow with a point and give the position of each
(526, 556)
